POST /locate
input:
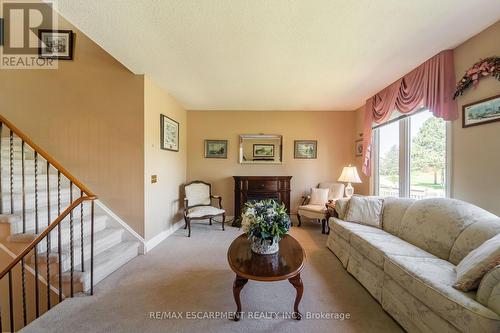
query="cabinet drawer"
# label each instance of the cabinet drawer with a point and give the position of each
(263, 185)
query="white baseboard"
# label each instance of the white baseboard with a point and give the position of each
(153, 242)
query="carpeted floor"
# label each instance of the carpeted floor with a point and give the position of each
(187, 275)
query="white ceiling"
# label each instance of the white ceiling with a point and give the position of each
(276, 54)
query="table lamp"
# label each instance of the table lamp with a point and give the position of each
(349, 175)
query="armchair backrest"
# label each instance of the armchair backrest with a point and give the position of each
(198, 193)
(336, 190)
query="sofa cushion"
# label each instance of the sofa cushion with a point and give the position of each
(365, 210)
(410, 313)
(473, 236)
(394, 210)
(319, 196)
(477, 263)
(204, 211)
(430, 280)
(434, 224)
(345, 229)
(312, 211)
(376, 246)
(488, 293)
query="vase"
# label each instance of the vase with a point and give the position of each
(266, 246)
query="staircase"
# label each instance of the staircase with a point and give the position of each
(82, 244)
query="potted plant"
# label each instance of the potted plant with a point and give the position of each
(265, 222)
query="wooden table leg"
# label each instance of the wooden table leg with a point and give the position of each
(296, 281)
(238, 284)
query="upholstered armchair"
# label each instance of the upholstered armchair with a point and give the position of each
(198, 204)
(313, 206)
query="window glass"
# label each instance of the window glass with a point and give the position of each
(388, 170)
(428, 156)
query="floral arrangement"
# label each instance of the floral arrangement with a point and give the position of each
(265, 220)
(482, 68)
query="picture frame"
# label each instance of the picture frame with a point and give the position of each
(55, 44)
(169, 133)
(481, 112)
(215, 148)
(358, 147)
(263, 150)
(305, 149)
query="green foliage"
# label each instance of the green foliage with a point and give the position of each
(389, 163)
(429, 147)
(265, 219)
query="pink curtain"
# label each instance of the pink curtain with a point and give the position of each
(430, 85)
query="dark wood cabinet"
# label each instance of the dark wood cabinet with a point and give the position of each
(248, 188)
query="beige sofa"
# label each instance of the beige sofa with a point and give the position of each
(409, 265)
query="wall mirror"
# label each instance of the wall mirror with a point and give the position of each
(261, 149)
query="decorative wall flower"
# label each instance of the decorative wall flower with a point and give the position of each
(481, 69)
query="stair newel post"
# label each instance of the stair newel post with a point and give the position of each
(59, 250)
(92, 248)
(48, 236)
(11, 303)
(72, 254)
(23, 185)
(81, 232)
(11, 164)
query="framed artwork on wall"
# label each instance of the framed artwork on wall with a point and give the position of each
(305, 149)
(55, 44)
(262, 150)
(169, 133)
(215, 148)
(359, 147)
(481, 112)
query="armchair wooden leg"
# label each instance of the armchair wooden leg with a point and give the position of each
(323, 225)
(300, 221)
(210, 221)
(185, 223)
(189, 227)
(223, 221)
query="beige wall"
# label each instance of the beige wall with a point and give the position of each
(162, 206)
(333, 130)
(476, 150)
(88, 115)
(364, 187)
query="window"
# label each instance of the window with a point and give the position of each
(411, 157)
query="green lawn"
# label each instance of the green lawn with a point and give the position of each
(419, 180)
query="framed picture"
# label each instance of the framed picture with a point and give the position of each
(481, 112)
(55, 44)
(261, 150)
(215, 148)
(305, 149)
(169, 129)
(359, 147)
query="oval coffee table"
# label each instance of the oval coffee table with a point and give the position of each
(286, 264)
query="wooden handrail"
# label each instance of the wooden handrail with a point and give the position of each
(46, 156)
(40, 237)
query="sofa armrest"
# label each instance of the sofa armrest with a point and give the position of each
(488, 293)
(305, 200)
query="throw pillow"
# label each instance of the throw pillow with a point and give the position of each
(319, 196)
(341, 206)
(477, 263)
(365, 210)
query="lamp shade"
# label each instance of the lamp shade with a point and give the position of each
(349, 175)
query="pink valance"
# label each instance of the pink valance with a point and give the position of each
(431, 85)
